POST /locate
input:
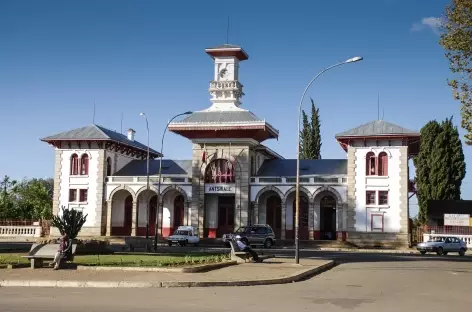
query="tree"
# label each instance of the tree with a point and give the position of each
(456, 39)
(305, 138)
(315, 140)
(70, 222)
(26, 200)
(34, 199)
(440, 165)
(7, 200)
(310, 137)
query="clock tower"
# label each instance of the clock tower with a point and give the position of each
(225, 88)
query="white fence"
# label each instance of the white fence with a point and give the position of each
(20, 231)
(466, 238)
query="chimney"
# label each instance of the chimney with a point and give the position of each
(131, 133)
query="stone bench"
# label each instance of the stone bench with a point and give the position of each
(242, 256)
(131, 243)
(40, 252)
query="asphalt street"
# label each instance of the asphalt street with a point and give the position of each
(362, 282)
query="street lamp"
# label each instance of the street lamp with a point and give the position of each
(160, 174)
(297, 187)
(147, 178)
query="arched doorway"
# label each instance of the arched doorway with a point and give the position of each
(146, 200)
(274, 213)
(152, 215)
(220, 188)
(303, 233)
(328, 217)
(178, 212)
(121, 213)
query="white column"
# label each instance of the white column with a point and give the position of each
(109, 206)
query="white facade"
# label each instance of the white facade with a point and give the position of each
(368, 215)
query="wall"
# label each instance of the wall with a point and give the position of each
(390, 183)
(89, 182)
(118, 160)
(237, 151)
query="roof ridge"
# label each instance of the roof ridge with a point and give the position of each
(99, 128)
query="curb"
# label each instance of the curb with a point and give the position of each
(391, 251)
(297, 277)
(190, 269)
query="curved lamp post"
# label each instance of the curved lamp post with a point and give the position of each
(160, 177)
(297, 192)
(147, 177)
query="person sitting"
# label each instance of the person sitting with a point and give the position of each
(61, 251)
(243, 247)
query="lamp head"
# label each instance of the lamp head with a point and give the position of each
(354, 59)
(142, 114)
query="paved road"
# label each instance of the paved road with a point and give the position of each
(363, 283)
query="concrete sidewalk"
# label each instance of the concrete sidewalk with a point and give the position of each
(273, 271)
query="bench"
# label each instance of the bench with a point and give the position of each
(131, 243)
(40, 252)
(242, 256)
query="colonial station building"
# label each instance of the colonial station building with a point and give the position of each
(233, 179)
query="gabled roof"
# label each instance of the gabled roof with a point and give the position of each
(95, 132)
(377, 128)
(224, 120)
(169, 167)
(308, 167)
(221, 116)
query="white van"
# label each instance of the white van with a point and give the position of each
(183, 236)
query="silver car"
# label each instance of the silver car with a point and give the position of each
(257, 234)
(443, 245)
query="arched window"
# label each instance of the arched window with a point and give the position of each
(108, 166)
(383, 164)
(84, 162)
(74, 164)
(370, 164)
(220, 171)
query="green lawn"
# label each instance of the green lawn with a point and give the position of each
(127, 260)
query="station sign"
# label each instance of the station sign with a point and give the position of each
(456, 219)
(220, 188)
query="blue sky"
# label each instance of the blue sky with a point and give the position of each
(58, 57)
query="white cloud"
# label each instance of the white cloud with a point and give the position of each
(432, 23)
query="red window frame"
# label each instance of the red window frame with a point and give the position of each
(383, 198)
(83, 194)
(369, 195)
(72, 195)
(74, 164)
(220, 171)
(383, 164)
(370, 164)
(372, 222)
(84, 164)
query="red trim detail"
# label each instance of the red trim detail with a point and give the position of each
(166, 231)
(316, 235)
(211, 233)
(84, 164)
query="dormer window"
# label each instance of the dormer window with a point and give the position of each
(74, 164)
(84, 162)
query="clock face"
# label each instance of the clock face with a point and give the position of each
(223, 73)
